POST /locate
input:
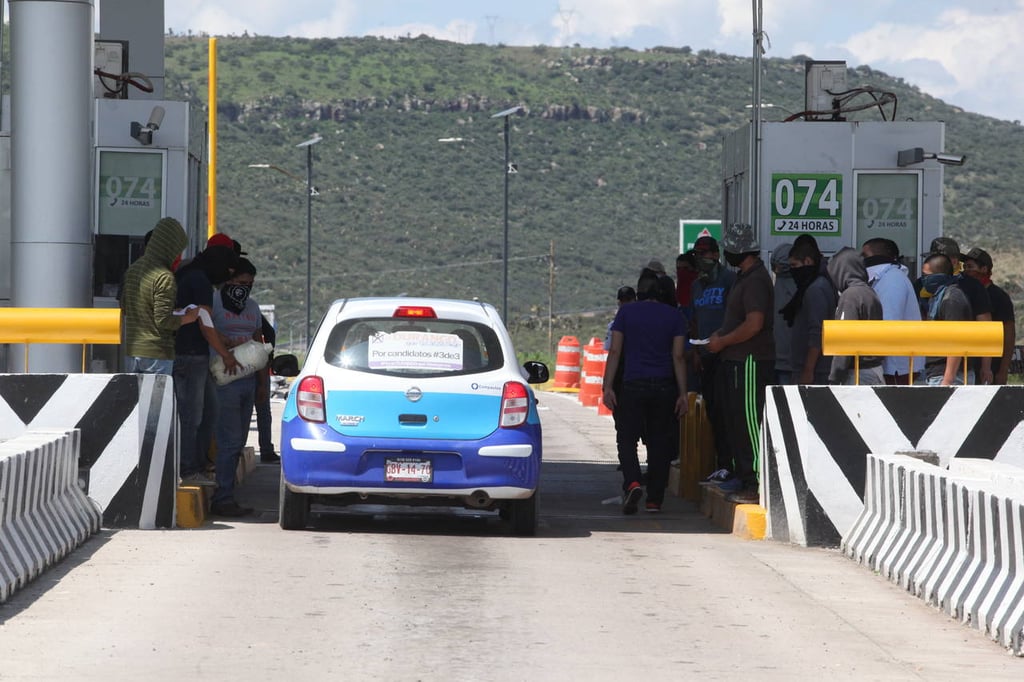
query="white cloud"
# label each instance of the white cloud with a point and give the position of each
(458, 31)
(957, 53)
(264, 17)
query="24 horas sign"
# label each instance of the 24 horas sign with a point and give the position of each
(807, 203)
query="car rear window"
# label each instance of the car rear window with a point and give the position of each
(413, 348)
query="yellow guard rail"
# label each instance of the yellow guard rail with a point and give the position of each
(60, 325)
(914, 339)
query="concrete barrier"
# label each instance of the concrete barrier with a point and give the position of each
(43, 513)
(127, 461)
(948, 539)
(818, 438)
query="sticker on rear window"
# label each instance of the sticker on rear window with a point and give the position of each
(416, 350)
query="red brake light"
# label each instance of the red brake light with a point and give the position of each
(420, 311)
(309, 399)
(515, 404)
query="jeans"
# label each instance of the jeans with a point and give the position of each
(235, 403)
(197, 404)
(139, 365)
(646, 408)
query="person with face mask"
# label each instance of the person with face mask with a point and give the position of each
(714, 281)
(746, 347)
(857, 301)
(193, 386)
(784, 289)
(813, 303)
(943, 299)
(237, 319)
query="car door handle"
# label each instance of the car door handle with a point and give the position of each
(412, 419)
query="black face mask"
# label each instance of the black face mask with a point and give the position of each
(804, 274)
(235, 296)
(707, 269)
(734, 259)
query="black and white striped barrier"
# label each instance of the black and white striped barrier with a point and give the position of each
(128, 458)
(816, 440)
(44, 515)
(952, 538)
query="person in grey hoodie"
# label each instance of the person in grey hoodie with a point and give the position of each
(857, 301)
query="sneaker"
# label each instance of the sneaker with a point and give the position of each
(744, 497)
(631, 498)
(717, 477)
(732, 485)
(230, 508)
(652, 507)
(198, 478)
(270, 458)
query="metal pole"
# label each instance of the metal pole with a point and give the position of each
(309, 238)
(504, 248)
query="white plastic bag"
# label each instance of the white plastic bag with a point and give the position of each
(252, 356)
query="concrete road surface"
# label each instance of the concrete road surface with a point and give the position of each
(438, 595)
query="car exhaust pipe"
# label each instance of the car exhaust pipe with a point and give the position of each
(479, 500)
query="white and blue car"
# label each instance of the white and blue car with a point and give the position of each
(414, 402)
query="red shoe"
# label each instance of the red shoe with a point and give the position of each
(652, 507)
(631, 498)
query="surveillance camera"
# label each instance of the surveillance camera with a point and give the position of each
(951, 159)
(156, 117)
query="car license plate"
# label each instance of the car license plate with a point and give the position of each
(408, 469)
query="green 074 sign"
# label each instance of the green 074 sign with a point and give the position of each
(810, 203)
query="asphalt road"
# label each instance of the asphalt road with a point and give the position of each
(439, 595)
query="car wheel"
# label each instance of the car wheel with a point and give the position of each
(293, 509)
(524, 515)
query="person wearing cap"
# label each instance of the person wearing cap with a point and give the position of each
(890, 280)
(194, 388)
(149, 318)
(746, 347)
(977, 296)
(648, 338)
(714, 281)
(813, 302)
(978, 264)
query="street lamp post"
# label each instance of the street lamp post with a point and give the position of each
(509, 170)
(310, 193)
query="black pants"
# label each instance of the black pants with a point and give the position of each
(647, 408)
(740, 393)
(709, 369)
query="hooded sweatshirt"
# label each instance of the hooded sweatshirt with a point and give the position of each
(857, 301)
(785, 287)
(147, 299)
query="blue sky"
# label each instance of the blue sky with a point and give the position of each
(966, 53)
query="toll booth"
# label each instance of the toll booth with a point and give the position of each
(843, 182)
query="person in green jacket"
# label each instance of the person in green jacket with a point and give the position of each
(149, 319)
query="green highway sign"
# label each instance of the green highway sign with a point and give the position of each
(691, 230)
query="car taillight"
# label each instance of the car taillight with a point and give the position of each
(309, 399)
(515, 405)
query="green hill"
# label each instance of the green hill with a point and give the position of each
(616, 146)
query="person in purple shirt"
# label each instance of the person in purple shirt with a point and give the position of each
(648, 337)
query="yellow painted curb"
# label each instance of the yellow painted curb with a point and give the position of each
(191, 503)
(749, 521)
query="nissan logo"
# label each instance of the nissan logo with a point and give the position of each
(414, 394)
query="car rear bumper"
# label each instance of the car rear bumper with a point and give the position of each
(505, 465)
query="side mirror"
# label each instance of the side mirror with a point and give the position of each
(285, 365)
(536, 372)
